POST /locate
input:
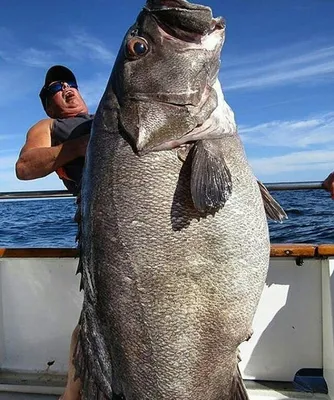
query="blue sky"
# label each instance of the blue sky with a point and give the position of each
(277, 74)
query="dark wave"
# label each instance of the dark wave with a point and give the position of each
(49, 223)
(311, 217)
(38, 223)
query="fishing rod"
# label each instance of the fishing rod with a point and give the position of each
(44, 194)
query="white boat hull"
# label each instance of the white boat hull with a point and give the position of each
(40, 304)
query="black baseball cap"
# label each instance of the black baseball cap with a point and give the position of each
(55, 73)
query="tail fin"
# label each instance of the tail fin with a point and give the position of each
(238, 390)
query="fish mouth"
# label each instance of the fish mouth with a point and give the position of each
(179, 19)
(174, 33)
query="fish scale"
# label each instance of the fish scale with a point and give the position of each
(177, 299)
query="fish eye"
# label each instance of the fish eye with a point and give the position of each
(137, 47)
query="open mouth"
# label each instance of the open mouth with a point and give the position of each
(179, 33)
(180, 19)
(68, 95)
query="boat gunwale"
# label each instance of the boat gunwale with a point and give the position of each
(291, 250)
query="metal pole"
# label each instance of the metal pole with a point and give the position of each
(294, 185)
(43, 194)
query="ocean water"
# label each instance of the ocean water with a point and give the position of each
(49, 223)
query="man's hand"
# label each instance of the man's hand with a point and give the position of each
(328, 184)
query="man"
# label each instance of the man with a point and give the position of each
(58, 144)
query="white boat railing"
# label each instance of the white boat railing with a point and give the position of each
(39, 194)
(308, 185)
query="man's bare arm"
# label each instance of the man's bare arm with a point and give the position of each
(37, 158)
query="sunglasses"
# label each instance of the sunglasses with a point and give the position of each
(58, 86)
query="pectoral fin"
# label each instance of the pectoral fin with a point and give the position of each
(273, 210)
(211, 183)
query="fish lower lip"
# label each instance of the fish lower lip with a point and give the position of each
(217, 24)
(147, 150)
(171, 145)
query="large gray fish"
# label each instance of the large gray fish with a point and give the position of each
(173, 233)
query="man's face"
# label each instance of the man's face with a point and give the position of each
(64, 100)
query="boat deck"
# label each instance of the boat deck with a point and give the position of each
(254, 395)
(256, 391)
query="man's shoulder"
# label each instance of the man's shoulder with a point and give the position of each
(42, 129)
(42, 125)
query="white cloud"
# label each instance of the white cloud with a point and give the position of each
(37, 58)
(19, 64)
(92, 90)
(82, 46)
(315, 130)
(311, 139)
(7, 41)
(9, 182)
(7, 137)
(7, 162)
(304, 161)
(29, 57)
(280, 67)
(74, 46)
(8, 75)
